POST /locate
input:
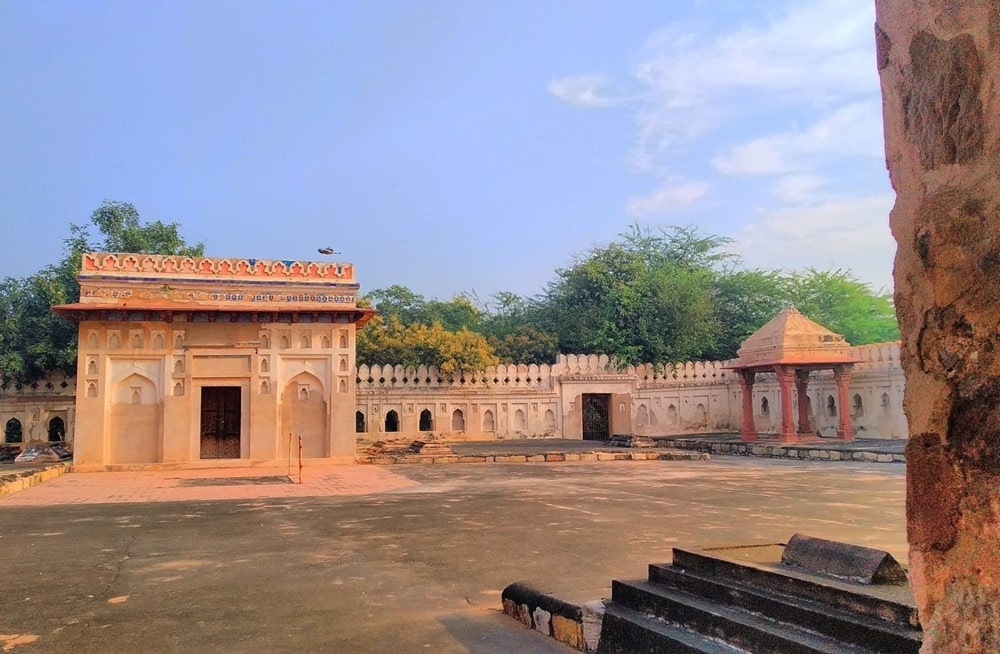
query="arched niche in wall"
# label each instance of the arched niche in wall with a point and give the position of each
(831, 406)
(457, 420)
(57, 430)
(12, 431)
(520, 423)
(426, 422)
(325, 342)
(489, 421)
(91, 366)
(135, 389)
(158, 341)
(93, 342)
(857, 406)
(359, 422)
(550, 419)
(642, 416)
(700, 416)
(391, 421)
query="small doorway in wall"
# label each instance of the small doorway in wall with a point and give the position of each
(596, 416)
(220, 422)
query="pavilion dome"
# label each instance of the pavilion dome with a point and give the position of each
(791, 338)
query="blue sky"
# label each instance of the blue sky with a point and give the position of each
(448, 145)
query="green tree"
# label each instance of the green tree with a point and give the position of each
(387, 341)
(33, 340)
(513, 326)
(647, 297)
(840, 302)
(745, 300)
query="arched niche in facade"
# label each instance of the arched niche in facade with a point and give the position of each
(457, 420)
(426, 422)
(12, 431)
(391, 421)
(57, 430)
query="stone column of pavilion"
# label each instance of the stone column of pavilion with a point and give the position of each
(939, 64)
(791, 346)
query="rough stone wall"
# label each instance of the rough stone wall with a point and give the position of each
(939, 63)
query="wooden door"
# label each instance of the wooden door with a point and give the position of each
(596, 416)
(220, 422)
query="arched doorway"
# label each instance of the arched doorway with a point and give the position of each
(392, 421)
(426, 420)
(458, 420)
(12, 431)
(57, 430)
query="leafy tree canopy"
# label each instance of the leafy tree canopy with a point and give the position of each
(33, 340)
(387, 341)
(646, 297)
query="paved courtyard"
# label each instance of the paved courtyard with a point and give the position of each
(387, 559)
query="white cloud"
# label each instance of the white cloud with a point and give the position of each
(854, 130)
(585, 90)
(666, 199)
(849, 232)
(818, 55)
(797, 189)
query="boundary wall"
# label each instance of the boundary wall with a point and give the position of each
(519, 401)
(536, 401)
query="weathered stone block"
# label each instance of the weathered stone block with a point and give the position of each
(517, 458)
(593, 617)
(542, 621)
(555, 457)
(567, 631)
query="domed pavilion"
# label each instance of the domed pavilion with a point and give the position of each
(791, 347)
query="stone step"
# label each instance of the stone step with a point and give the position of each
(625, 631)
(882, 603)
(871, 633)
(734, 626)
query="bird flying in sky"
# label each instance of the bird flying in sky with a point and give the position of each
(328, 251)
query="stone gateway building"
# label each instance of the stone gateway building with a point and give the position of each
(189, 359)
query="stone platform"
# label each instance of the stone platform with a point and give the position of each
(870, 450)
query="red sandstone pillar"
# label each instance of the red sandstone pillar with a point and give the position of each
(802, 393)
(748, 431)
(786, 377)
(842, 375)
